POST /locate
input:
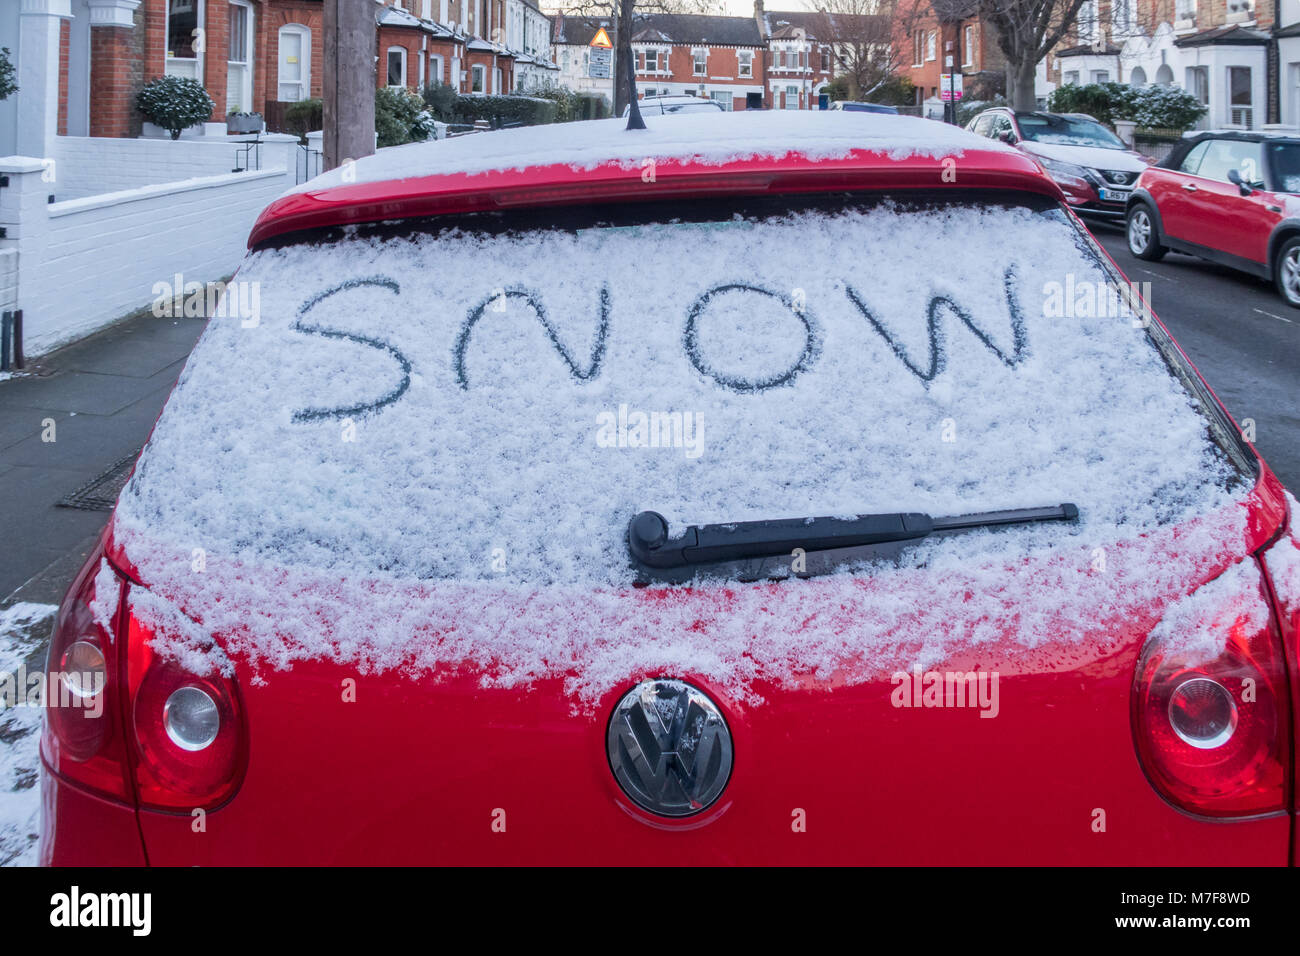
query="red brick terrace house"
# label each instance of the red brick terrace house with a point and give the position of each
(720, 58)
(256, 56)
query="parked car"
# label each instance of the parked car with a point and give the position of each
(1229, 197)
(675, 105)
(1090, 163)
(507, 547)
(853, 106)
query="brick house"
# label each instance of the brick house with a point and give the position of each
(927, 49)
(84, 61)
(773, 60)
(719, 58)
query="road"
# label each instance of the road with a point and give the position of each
(1244, 339)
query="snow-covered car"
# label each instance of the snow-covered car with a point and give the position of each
(1093, 167)
(555, 505)
(677, 104)
(853, 106)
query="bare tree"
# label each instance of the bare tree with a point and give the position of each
(624, 13)
(865, 38)
(1026, 31)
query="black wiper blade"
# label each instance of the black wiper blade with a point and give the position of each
(649, 544)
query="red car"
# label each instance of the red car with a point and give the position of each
(1228, 197)
(740, 490)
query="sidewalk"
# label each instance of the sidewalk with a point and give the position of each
(103, 394)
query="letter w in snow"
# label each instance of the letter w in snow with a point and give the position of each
(940, 304)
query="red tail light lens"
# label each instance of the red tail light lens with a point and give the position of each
(1211, 731)
(82, 740)
(188, 730)
(123, 721)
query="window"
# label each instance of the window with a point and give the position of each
(826, 59)
(1192, 161)
(1225, 155)
(1070, 77)
(477, 77)
(1122, 12)
(1198, 83)
(918, 48)
(397, 66)
(184, 41)
(723, 99)
(1240, 10)
(294, 80)
(238, 33)
(700, 61)
(1087, 21)
(1185, 11)
(1239, 96)
(435, 70)
(968, 55)
(984, 125)
(746, 61)
(1101, 76)
(239, 59)
(931, 40)
(792, 97)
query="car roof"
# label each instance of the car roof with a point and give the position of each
(1188, 143)
(1048, 114)
(1243, 136)
(751, 152)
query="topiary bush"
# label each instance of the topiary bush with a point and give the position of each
(303, 116)
(1165, 107)
(175, 103)
(400, 117)
(440, 100)
(1151, 107)
(8, 85)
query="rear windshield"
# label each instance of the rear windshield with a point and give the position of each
(499, 395)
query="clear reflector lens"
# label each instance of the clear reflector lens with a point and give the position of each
(191, 718)
(1203, 713)
(81, 669)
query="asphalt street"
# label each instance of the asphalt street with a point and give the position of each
(1241, 335)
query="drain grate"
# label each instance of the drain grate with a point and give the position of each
(100, 493)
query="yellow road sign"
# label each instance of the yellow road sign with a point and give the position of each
(601, 39)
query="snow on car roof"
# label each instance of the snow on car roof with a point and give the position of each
(707, 139)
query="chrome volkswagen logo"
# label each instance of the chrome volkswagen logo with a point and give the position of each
(669, 747)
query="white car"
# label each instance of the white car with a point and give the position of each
(1094, 169)
(675, 104)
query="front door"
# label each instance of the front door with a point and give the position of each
(294, 78)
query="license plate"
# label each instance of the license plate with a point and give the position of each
(1113, 195)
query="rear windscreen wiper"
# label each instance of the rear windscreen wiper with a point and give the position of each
(650, 546)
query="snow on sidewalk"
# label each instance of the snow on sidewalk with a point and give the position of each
(22, 636)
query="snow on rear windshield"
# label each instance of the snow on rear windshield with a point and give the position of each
(493, 406)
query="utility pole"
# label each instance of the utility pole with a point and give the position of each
(349, 80)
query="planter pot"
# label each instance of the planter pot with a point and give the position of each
(251, 123)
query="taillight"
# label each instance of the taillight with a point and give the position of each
(124, 721)
(83, 740)
(187, 728)
(1211, 704)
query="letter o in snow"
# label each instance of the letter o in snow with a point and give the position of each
(736, 383)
